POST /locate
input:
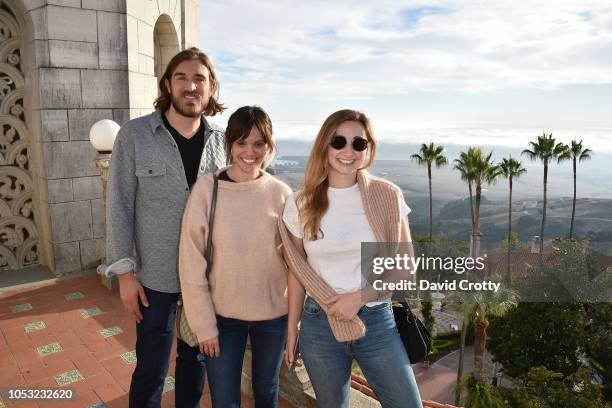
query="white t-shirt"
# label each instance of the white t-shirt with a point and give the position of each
(336, 257)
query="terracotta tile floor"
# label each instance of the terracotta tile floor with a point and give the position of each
(73, 332)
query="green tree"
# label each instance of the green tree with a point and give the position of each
(576, 153)
(569, 274)
(546, 149)
(543, 388)
(538, 334)
(599, 342)
(430, 155)
(511, 169)
(572, 329)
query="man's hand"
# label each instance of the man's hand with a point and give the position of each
(344, 306)
(210, 347)
(130, 291)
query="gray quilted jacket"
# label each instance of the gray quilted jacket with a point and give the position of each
(146, 195)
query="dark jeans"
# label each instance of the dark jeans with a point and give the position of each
(224, 372)
(154, 335)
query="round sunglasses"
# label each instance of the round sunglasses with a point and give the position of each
(359, 144)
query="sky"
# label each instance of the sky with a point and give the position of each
(419, 68)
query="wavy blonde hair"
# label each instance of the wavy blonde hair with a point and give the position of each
(312, 201)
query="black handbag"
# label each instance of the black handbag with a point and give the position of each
(412, 331)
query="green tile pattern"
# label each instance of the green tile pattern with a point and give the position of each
(110, 331)
(168, 384)
(94, 311)
(35, 326)
(24, 307)
(49, 349)
(74, 296)
(68, 377)
(129, 357)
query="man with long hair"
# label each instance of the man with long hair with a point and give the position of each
(156, 160)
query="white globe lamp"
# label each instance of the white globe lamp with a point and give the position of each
(102, 135)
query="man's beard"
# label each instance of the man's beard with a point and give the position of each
(186, 109)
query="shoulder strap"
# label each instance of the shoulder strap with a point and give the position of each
(211, 222)
(407, 308)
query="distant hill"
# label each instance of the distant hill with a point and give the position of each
(453, 220)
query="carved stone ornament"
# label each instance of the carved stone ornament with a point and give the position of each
(18, 232)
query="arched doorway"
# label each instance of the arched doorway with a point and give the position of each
(18, 231)
(166, 44)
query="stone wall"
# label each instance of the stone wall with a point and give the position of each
(86, 60)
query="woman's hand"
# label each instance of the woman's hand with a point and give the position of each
(292, 355)
(210, 347)
(344, 306)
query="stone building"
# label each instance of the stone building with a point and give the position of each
(65, 64)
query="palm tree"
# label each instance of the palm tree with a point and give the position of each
(510, 169)
(545, 149)
(478, 307)
(430, 154)
(463, 165)
(476, 168)
(485, 171)
(483, 305)
(577, 153)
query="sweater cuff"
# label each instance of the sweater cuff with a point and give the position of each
(208, 330)
(125, 265)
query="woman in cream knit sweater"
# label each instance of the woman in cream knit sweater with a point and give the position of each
(344, 318)
(245, 293)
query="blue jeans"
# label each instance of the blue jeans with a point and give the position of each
(224, 372)
(380, 355)
(154, 335)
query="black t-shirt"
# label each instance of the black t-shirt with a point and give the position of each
(190, 149)
(224, 176)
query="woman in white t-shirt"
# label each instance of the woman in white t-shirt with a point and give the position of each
(328, 220)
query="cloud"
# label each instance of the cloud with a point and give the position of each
(353, 49)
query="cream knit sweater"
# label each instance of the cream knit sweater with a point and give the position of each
(248, 279)
(381, 202)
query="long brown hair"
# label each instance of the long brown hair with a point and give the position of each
(312, 201)
(164, 100)
(239, 126)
